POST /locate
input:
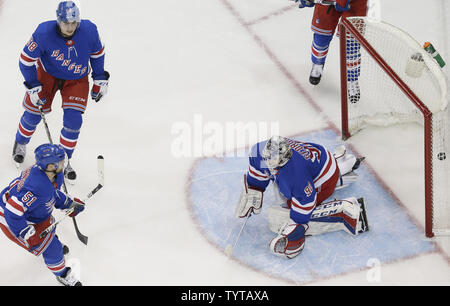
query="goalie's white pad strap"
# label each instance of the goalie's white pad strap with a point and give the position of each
(346, 180)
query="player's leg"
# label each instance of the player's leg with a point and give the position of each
(27, 126)
(31, 117)
(319, 51)
(74, 96)
(54, 259)
(323, 26)
(72, 122)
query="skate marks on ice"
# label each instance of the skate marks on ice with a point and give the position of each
(213, 191)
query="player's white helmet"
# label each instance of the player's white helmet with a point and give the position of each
(276, 152)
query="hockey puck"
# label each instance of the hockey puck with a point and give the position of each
(441, 156)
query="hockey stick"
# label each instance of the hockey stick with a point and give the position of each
(80, 236)
(100, 161)
(229, 248)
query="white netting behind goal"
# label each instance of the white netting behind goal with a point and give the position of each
(381, 101)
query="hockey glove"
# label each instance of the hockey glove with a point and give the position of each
(77, 205)
(342, 5)
(305, 3)
(290, 241)
(100, 88)
(250, 201)
(31, 234)
(35, 94)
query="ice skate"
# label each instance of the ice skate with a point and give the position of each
(316, 74)
(68, 279)
(69, 174)
(19, 151)
(353, 91)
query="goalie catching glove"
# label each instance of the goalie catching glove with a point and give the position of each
(290, 240)
(250, 201)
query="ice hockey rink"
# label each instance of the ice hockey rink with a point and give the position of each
(180, 72)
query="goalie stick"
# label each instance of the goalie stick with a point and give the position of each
(229, 248)
(84, 239)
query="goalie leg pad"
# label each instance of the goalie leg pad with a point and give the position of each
(345, 160)
(336, 215)
(278, 216)
(348, 215)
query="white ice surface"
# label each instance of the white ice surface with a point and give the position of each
(170, 60)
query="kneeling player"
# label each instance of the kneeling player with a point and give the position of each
(26, 206)
(306, 174)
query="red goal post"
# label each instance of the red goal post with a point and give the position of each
(388, 78)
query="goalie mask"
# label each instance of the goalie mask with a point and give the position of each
(276, 152)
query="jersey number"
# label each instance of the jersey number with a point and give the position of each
(28, 199)
(32, 46)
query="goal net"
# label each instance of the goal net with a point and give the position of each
(388, 78)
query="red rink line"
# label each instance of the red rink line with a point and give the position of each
(278, 63)
(276, 13)
(318, 109)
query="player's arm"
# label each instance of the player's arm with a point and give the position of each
(303, 203)
(291, 236)
(15, 215)
(63, 201)
(97, 60)
(28, 60)
(256, 177)
(27, 64)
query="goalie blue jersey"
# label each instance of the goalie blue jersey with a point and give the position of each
(30, 197)
(300, 180)
(63, 58)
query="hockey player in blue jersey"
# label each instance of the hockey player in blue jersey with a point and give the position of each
(324, 23)
(59, 56)
(26, 206)
(306, 174)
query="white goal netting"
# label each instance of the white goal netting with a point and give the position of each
(391, 79)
